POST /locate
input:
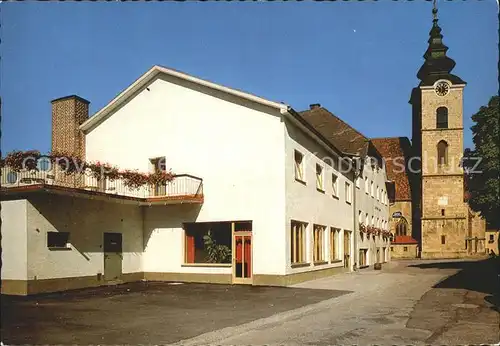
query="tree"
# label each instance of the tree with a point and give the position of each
(482, 165)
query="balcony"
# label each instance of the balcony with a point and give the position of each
(183, 188)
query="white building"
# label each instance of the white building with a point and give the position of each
(371, 200)
(270, 187)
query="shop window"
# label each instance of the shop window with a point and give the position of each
(209, 242)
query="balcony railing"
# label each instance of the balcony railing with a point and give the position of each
(181, 185)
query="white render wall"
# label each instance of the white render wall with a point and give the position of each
(373, 207)
(306, 204)
(238, 149)
(14, 240)
(86, 220)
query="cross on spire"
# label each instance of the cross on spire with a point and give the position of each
(434, 12)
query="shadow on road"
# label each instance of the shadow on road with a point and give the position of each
(479, 276)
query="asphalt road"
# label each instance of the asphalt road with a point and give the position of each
(143, 313)
(410, 302)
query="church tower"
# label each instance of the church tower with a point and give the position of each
(437, 140)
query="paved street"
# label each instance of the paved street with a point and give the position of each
(397, 305)
(411, 302)
(144, 313)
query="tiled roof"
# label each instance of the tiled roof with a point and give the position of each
(404, 239)
(338, 132)
(392, 149)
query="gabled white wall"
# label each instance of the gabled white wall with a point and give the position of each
(305, 203)
(236, 147)
(14, 240)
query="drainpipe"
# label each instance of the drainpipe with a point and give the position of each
(357, 169)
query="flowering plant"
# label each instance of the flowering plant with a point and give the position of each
(370, 229)
(134, 179)
(99, 170)
(18, 160)
(67, 163)
(362, 227)
(160, 178)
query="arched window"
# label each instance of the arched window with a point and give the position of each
(402, 227)
(442, 118)
(442, 153)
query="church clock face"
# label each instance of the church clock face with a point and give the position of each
(442, 89)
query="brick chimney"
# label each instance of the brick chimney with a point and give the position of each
(314, 106)
(68, 113)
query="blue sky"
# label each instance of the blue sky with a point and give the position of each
(358, 59)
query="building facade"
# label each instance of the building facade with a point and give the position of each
(370, 199)
(272, 211)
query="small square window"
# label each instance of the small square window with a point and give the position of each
(335, 184)
(299, 166)
(492, 238)
(405, 248)
(58, 239)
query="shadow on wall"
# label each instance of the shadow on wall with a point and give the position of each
(171, 217)
(479, 276)
(86, 220)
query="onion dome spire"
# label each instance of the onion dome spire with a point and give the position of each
(437, 65)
